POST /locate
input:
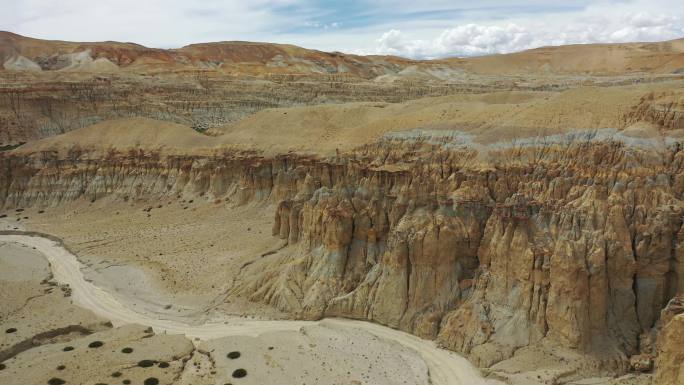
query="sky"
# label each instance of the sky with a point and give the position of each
(422, 29)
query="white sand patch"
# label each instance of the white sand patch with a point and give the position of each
(19, 262)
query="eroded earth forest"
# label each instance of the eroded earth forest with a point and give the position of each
(251, 213)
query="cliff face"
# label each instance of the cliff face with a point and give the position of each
(590, 275)
(578, 243)
(395, 252)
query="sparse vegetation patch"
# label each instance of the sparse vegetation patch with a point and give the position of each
(146, 363)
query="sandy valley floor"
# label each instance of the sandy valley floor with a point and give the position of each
(170, 254)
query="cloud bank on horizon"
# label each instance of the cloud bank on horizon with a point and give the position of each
(426, 29)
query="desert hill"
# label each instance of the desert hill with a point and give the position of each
(22, 53)
(128, 133)
(607, 59)
(640, 111)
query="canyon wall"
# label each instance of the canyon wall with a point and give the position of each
(577, 243)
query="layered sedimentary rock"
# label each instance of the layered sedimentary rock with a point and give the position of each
(576, 243)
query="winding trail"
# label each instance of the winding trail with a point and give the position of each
(446, 368)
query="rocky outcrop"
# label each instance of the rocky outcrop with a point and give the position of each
(576, 245)
(670, 344)
(665, 110)
(563, 252)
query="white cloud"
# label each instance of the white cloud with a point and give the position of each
(466, 40)
(425, 29)
(594, 25)
(473, 39)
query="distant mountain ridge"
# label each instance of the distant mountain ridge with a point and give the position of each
(251, 58)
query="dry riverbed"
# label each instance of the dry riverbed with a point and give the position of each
(227, 350)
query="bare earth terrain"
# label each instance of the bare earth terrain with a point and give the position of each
(249, 213)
